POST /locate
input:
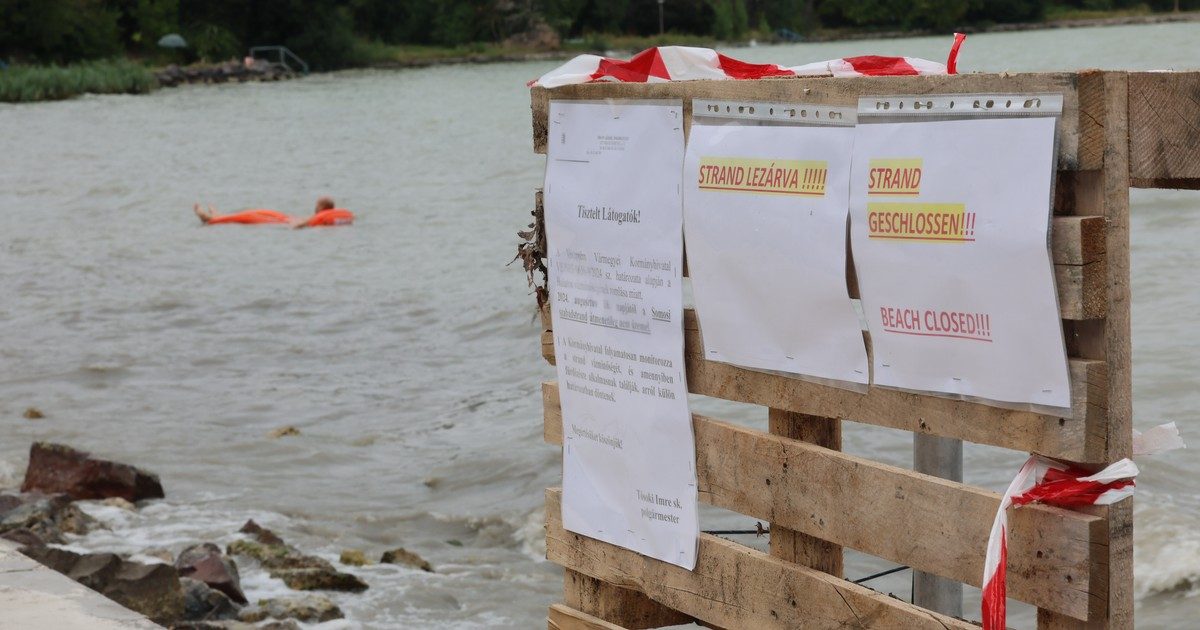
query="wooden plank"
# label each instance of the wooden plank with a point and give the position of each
(563, 618)
(1080, 438)
(734, 586)
(625, 607)
(844, 92)
(790, 544)
(1164, 129)
(886, 511)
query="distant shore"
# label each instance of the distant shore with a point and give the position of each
(38, 83)
(1077, 22)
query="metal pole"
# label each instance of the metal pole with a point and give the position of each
(940, 457)
(660, 17)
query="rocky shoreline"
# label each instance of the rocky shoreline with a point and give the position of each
(228, 72)
(197, 589)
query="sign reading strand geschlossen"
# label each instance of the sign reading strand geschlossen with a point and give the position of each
(765, 220)
(949, 224)
(614, 224)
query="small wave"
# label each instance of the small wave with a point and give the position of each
(532, 535)
(1166, 550)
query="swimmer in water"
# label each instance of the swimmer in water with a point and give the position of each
(326, 213)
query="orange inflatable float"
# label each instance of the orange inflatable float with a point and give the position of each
(329, 218)
(252, 217)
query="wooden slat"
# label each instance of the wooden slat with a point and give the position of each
(844, 91)
(563, 618)
(1164, 129)
(734, 586)
(889, 512)
(1080, 438)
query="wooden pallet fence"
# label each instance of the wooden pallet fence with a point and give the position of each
(1118, 130)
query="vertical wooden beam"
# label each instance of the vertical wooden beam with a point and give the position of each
(792, 545)
(621, 606)
(1104, 107)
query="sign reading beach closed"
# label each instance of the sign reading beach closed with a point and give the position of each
(765, 219)
(949, 224)
(614, 221)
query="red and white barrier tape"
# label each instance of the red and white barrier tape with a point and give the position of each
(685, 63)
(1043, 480)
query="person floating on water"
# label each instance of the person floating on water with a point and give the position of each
(326, 214)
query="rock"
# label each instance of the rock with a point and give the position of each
(48, 516)
(308, 609)
(353, 557)
(33, 413)
(24, 537)
(320, 580)
(207, 564)
(151, 589)
(260, 533)
(58, 468)
(297, 570)
(400, 555)
(285, 432)
(202, 603)
(118, 502)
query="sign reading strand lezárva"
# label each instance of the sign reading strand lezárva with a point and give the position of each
(949, 224)
(614, 222)
(765, 219)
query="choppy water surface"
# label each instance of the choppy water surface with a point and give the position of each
(403, 348)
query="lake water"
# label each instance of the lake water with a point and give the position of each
(403, 348)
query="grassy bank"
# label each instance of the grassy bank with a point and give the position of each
(23, 84)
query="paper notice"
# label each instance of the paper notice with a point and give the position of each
(765, 219)
(614, 227)
(949, 224)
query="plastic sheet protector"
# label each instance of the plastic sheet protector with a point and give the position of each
(765, 212)
(614, 223)
(949, 229)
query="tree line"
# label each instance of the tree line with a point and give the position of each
(330, 33)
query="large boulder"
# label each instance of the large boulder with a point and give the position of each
(207, 564)
(57, 468)
(202, 603)
(151, 589)
(308, 609)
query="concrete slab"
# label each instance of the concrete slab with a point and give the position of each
(32, 596)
